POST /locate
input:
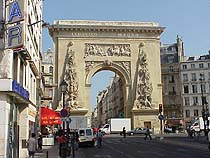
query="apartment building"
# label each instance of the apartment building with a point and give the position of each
(110, 102)
(171, 56)
(195, 76)
(20, 47)
(47, 74)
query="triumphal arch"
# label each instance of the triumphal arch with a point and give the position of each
(130, 49)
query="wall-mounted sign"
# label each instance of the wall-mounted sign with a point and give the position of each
(15, 36)
(15, 11)
(16, 87)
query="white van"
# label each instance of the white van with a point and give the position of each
(86, 136)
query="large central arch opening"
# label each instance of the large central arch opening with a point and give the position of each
(107, 96)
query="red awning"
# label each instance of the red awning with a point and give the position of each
(49, 116)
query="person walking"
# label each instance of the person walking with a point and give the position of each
(147, 134)
(60, 140)
(32, 145)
(40, 143)
(124, 132)
(76, 140)
(209, 139)
(99, 139)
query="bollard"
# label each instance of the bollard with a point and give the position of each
(47, 154)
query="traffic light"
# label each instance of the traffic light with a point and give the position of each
(160, 108)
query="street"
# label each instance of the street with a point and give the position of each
(133, 147)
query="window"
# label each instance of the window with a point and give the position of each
(196, 112)
(82, 132)
(171, 79)
(184, 66)
(185, 77)
(88, 132)
(208, 64)
(203, 100)
(203, 88)
(186, 101)
(173, 114)
(194, 88)
(201, 65)
(171, 68)
(187, 113)
(51, 69)
(195, 100)
(51, 80)
(208, 75)
(192, 66)
(186, 89)
(193, 75)
(42, 68)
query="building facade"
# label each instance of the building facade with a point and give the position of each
(171, 56)
(110, 101)
(129, 49)
(20, 47)
(195, 76)
(47, 74)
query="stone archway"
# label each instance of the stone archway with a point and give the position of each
(131, 49)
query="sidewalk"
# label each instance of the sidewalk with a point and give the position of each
(53, 152)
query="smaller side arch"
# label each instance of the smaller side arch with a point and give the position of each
(112, 67)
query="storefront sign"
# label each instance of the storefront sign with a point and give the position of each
(16, 87)
(15, 11)
(16, 32)
(15, 36)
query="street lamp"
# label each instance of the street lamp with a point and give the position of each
(63, 86)
(202, 101)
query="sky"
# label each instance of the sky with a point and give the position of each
(190, 19)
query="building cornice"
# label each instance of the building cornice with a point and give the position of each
(105, 26)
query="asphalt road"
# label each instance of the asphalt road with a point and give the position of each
(137, 147)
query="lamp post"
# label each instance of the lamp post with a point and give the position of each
(202, 101)
(63, 86)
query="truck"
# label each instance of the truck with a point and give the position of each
(77, 122)
(115, 125)
(198, 124)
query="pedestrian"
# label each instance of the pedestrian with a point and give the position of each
(32, 145)
(124, 132)
(40, 142)
(147, 133)
(209, 139)
(76, 140)
(99, 138)
(60, 140)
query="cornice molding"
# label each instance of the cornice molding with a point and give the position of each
(106, 26)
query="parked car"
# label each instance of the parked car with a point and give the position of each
(138, 130)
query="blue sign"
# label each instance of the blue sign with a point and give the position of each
(64, 113)
(15, 11)
(16, 87)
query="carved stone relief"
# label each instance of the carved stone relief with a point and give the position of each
(71, 78)
(144, 86)
(121, 50)
(126, 65)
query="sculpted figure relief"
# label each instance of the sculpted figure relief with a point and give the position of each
(107, 50)
(71, 78)
(144, 87)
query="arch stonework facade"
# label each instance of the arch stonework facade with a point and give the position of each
(130, 49)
